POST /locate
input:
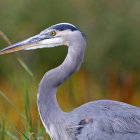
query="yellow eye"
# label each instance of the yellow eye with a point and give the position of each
(53, 33)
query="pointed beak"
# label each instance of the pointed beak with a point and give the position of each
(23, 45)
(35, 42)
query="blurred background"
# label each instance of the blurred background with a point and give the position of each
(111, 68)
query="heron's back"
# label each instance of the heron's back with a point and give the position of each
(105, 120)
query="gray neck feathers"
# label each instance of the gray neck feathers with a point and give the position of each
(47, 104)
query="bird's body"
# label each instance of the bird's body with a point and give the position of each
(98, 120)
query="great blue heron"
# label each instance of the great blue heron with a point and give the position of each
(98, 120)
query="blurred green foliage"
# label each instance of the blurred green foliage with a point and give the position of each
(111, 68)
(112, 29)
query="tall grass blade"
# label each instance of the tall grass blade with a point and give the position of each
(12, 105)
(5, 38)
(40, 130)
(26, 68)
(3, 131)
(27, 107)
(22, 134)
(15, 128)
(12, 136)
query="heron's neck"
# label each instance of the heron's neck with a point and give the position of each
(47, 102)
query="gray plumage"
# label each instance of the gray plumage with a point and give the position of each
(98, 120)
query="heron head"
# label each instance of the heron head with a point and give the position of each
(56, 35)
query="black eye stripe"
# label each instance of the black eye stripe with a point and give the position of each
(62, 27)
